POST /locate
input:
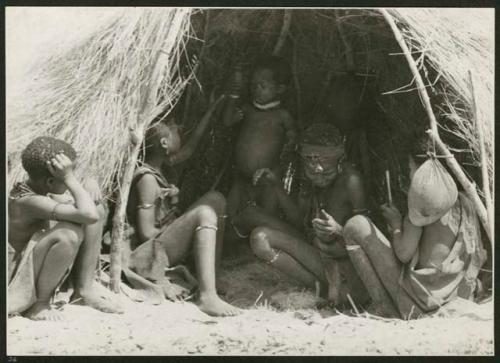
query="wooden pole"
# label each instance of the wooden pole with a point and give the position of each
(469, 187)
(144, 118)
(482, 150)
(287, 19)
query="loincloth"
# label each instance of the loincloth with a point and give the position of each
(21, 277)
(148, 267)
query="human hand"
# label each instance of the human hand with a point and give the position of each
(325, 226)
(170, 191)
(392, 216)
(60, 166)
(452, 267)
(92, 187)
(265, 175)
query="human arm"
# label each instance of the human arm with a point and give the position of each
(188, 149)
(233, 112)
(405, 235)
(146, 188)
(290, 133)
(83, 211)
(287, 204)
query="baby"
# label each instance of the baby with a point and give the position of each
(267, 131)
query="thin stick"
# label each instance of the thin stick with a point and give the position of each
(413, 67)
(484, 164)
(287, 19)
(388, 183)
(348, 50)
(352, 304)
(469, 187)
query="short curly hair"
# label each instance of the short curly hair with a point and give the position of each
(282, 73)
(35, 156)
(322, 134)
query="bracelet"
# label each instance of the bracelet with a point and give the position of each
(396, 231)
(234, 96)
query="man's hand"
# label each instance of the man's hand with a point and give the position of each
(60, 166)
(265, 176)
(326, 226)
(392, 216)
(92, 187)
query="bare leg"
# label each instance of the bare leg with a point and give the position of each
(85, 265)
(177, 239)
(252, 217)
(289, 254)
(377, 266)
(217, 201)
(52, 257)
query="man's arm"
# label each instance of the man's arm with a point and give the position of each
(188, 149)
(147, 187)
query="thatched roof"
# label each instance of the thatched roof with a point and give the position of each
(87, 94)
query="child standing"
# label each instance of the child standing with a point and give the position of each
(267, 131)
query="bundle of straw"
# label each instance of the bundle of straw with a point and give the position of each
(92, 94)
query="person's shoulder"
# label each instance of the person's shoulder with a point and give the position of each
(146, 180)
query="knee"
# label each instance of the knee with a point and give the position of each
(206, 214)
(217, 201)
(69, 233)
(259, 242)
(357, 228)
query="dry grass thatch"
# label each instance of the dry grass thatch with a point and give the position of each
(88, 95)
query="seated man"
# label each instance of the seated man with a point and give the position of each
(310, 248)
(41, 254)
(164, 237)
(429, 260)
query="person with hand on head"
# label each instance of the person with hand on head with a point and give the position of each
(47, 238)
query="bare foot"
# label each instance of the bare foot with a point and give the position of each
(97, 301)
(214, 306)
(41, 311)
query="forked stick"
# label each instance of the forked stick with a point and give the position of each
(468, 186)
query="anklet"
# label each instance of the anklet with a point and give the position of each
(205, 226)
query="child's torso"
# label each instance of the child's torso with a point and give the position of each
(260, 141)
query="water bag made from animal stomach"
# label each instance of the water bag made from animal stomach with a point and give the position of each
(432, 193)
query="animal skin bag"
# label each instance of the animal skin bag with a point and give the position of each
(432, 193)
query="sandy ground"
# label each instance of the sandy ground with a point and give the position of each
(279, 319)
